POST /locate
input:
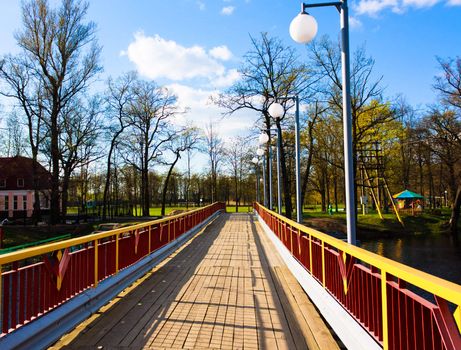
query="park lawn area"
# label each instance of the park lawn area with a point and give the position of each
(242, 208)
(155, 211)
(15, 235)
(424, 223)
(20, 234)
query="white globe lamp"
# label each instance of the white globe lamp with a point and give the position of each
(255, 160)
(303, 28)
(260, 152)
(263, 139)
(276, 110)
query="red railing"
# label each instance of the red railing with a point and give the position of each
(375, 290)
(37, 280)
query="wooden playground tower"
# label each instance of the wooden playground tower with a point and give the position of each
(371, 180)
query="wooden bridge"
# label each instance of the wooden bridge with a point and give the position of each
(207, 279)
(225, 289)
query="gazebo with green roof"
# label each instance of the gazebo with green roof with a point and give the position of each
(407, 199)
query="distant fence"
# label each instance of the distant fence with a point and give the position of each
(37, 280)
(374, 290)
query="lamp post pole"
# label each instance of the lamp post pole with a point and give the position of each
(264, 181)
(271, 206)
(279, 189)
(260, 152)
(255, 161)
(257, 183)
(299, 211)
(276, 110)
(303, 29)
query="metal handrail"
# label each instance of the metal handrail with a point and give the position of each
(48, 248)
(448, 290)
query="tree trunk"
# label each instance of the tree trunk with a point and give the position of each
(236, 194)
(54, 205)
(452, 181)
(64, 194)
(285, 179)
(36, 212)
(309, 159)
(108, 176)
(455, 212)
(165, 185)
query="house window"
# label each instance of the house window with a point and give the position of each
(20, 182)
(24, 202)
(15, 202)
(6, 203)
(2, 183)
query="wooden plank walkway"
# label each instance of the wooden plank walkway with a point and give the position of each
(225, 289)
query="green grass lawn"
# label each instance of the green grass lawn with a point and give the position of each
(426, 222)
(241, 209)
(24, 234)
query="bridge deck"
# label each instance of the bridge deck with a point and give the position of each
(226, 288)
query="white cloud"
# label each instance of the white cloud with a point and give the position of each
(419, 3)
(354, 22)
(201, 111)
(156, 57)
(228, 10)
(231, 76)
(373, 7)
(221, 53)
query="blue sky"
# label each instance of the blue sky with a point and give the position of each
(195, 46)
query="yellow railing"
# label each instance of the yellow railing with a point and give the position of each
(16, 268)
(439, 287)
(51, 247)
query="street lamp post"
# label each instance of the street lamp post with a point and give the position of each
(279, 187)
(260, 152)
(303, 29)
(264, 139)
(277, 111)
(255, 162)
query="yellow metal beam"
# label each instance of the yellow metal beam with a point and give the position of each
(47, 248)
(447, 290)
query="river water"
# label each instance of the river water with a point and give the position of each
(439, 255)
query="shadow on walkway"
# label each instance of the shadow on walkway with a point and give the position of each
(133, 321)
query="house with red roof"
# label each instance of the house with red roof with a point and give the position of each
(17, 187)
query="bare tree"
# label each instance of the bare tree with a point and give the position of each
(78, 141)
(22, 86)
(238, 160)
(270, 71)
(368, 108)
(315, 113)
(118, 99)
(61, 54)
(15, 141)
(194, 139)
(448, 84)
(149, 115)
(215, 150)
(183, 141)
